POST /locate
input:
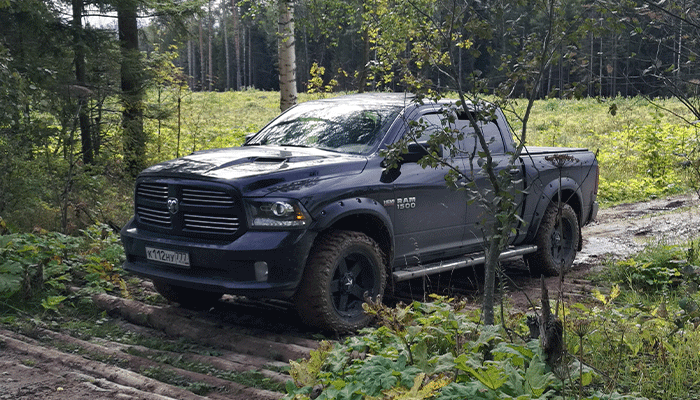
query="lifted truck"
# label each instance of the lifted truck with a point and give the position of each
(306, 211)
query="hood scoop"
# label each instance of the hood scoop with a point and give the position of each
(270, 159)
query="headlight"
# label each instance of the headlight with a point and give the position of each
(276, 213)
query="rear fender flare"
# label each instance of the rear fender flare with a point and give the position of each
(548, 193)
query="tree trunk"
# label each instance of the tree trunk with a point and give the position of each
(202, 61)
(226, 50)
(551, 331)
(362, 84)
(132, 88)
(79, 58)
(237, 43)
(210, 75)
(287, 56)
(190, 65)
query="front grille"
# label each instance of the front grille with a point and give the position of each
(154, 216)
(198, 209)
(211, 224)
(154, 191)
(206, 197)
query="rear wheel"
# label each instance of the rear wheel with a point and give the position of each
(186, 297)
(557, 241)
(343, 269)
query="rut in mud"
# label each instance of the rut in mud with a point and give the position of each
(239, 349)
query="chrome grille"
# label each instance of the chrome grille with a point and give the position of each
(211, 224)
(153, 191)
(206, 197)
(205, 210)
(154, 216)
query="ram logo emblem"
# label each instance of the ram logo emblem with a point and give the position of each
(173, 205)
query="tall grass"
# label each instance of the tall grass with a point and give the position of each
(639, 146)
(211, 120)
(637, 143)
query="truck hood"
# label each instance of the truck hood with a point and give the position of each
(254, 168)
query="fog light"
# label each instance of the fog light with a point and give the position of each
(261, 271)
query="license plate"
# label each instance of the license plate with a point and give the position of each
(179, 258)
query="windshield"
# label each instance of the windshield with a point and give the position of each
(354, 128)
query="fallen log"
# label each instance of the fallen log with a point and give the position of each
(158, 390)
(168, 321)
(139, 363)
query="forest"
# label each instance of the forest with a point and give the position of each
(89, 88)
(92, 91)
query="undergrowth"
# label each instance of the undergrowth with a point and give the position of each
(641, 338)
(646, 334)
(39, 269)
(439, 350)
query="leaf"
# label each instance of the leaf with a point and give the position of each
(614, 292)
(420, 356)
(52, 302)
(10, 278)
(418, 391)
(536, 378)
(305, 372)
(491, 375)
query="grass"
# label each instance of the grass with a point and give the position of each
(637, 144)
(213, 120)
(646, 338)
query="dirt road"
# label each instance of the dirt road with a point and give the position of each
(239, 349)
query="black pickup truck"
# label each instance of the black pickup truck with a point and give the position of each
(306, 210)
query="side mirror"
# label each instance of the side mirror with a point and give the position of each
(416, 151)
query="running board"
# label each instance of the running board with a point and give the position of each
(468, 261)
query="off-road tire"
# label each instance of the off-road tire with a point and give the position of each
(185, 297)
(343, 268)
(557, 241)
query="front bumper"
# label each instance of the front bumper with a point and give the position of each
(224, 267)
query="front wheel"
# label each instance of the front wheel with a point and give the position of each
(557, 241)
(343, 269)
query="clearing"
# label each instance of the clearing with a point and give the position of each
(239, 349)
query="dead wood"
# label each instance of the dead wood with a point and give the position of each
(238, 364)
(139, 363)
(105, 385)
(551, 331)
(118, 350)
(159, 390)
(174, 323)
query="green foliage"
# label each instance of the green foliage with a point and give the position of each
(42, 266)
(650, 330)
(315, 84)
(431, 350)
(211, 120)
(642, 153)
(651, 338)
(659, 266)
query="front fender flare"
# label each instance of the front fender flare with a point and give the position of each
(331, 213)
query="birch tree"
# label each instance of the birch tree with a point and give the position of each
(287, 56)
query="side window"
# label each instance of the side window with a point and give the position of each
(432, 123)
(470, 144)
